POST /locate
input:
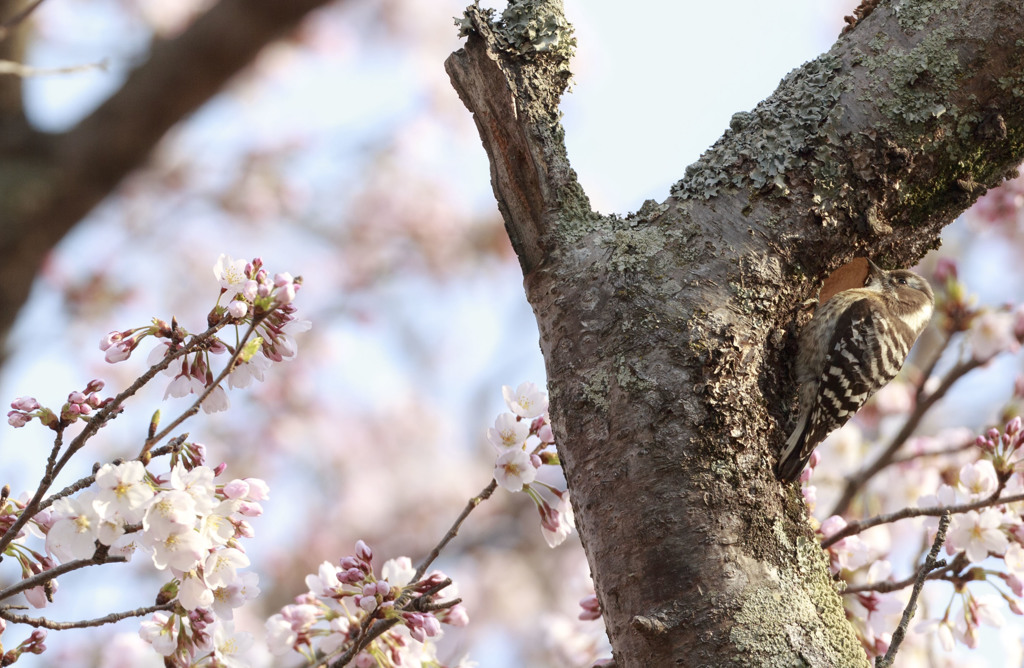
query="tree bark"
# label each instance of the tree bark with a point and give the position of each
(668, 333)
(48, 182)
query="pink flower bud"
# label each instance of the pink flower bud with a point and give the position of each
(945, 269)
(118, 353)
(25, 404)
(456, 615)
(16, 419)
(109, 340)
(286, 294)
(95, 385)
(367, 603)
(220, 468)
(351, 576)
(244, 529)
(282, 279)
(363, 551)
(349, 562)
(1015, 584)
(238, 309)
(258, 489)
(236, 489)
(431, 626)
(370, 589)
(831, 525)
(1013, 426)
(76, 398)
(250, 509)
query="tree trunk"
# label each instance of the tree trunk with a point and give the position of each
(668, 334)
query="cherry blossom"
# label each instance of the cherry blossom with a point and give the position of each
(123, 490)
(527, 401)
(978, 479)
(74, 533)
(514, 469)
(977, 534)
(508, 431)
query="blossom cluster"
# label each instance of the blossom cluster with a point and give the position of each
(255, 298)
(189, 525)
(79, 406)
(343, 600)
(524, 442)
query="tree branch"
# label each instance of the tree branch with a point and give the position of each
(929, 565)
(863, 525)
(48, 184)
(92, 426)
(41, 622)
(100, 557)
(512, 82)
(454, 530)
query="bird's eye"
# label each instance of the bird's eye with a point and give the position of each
(901, 281)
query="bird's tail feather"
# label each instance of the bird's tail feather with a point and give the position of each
(791, 462)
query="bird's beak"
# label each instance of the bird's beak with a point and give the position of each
(874, 268)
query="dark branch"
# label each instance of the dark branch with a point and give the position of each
(454, 530)
(42, 622)
(929, 565)
(101, 557)
(856, 527)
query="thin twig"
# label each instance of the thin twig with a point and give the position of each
(945, 573)
(42, 622)
(101, 557)
(857, 527)
(956, 449)
(26, 71)
(926, 373)
(857, 481)
(454, 530)
(930, 564)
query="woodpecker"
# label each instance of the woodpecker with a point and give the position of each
(855, 344)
